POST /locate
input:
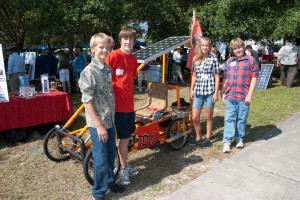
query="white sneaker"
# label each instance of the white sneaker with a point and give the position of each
(226, 147)
(124, 177)
(240, 144)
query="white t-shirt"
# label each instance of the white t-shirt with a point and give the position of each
(289, 54)
(177, 57)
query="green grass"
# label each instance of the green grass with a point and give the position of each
(272, 106)
(30, 174)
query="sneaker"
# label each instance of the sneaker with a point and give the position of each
(116, 170)
(98, 198)
(140, 90)
(196, 142)
(240, 144)
(132, 171)
(206, 144)
(124, 177)
(116, 188)
(226, 147)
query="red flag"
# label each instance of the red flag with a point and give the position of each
(196, 34)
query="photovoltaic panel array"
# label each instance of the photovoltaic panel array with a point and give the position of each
(160, 48)
(264, 76)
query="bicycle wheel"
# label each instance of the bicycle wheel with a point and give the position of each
(176, 127)
(88, 167)
(51, 149)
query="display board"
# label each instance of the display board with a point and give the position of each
(162, 47)
(264, 76)
(3, 84)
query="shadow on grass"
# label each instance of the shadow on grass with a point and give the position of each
(157, 165)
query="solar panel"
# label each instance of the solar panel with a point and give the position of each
(160, 48)
(264, 76)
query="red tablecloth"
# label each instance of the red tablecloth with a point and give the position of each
(267, 57)
(42, 108)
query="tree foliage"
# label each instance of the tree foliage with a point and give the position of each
(37, 22)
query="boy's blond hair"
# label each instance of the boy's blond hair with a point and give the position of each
(235, 43)
(198, 53)
(100, 38)
(127, 33)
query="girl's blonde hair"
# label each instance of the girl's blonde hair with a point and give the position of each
(235, 43)
(100, 38)
(198, 53)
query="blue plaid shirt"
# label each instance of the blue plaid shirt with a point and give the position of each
(205, 75)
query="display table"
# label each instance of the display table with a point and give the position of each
(267, 57)
(40, 109)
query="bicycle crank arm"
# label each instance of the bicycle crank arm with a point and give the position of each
(179, 135)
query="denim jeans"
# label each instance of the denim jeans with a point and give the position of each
(103, 161)
(200, 100)
(236, 115)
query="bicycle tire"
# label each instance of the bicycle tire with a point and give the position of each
(88, 167)
(50, 146)
(176, 126)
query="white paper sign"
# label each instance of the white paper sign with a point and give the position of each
(3, 84)
(30, 58)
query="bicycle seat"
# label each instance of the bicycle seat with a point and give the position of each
(157, 100)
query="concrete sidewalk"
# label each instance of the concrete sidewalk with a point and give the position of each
(269, 169)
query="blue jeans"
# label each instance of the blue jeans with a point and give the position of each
(104, 158)
(236, 115)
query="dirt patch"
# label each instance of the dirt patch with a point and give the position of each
(26, 173)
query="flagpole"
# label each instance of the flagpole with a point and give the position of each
(191, 74)
(194, 17)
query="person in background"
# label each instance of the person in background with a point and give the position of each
(16, 68)
(204, 89)
(95, 83)
(250, 52)
(63, 70)
(239, 81)
(46, 63)
(227, 52)
(185, 57)
(288, 60)
(215, 52)
(177, 58)
(112, 45)
(78, 65)
(81, 56)
(124, 66)
(144, 75)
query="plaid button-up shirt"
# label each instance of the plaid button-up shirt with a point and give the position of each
(205, 75)
(239, 73)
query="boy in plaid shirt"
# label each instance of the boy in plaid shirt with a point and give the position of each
(239, 81)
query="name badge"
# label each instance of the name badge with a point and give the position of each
(204, 76)
(233, 64)
(120, 72)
